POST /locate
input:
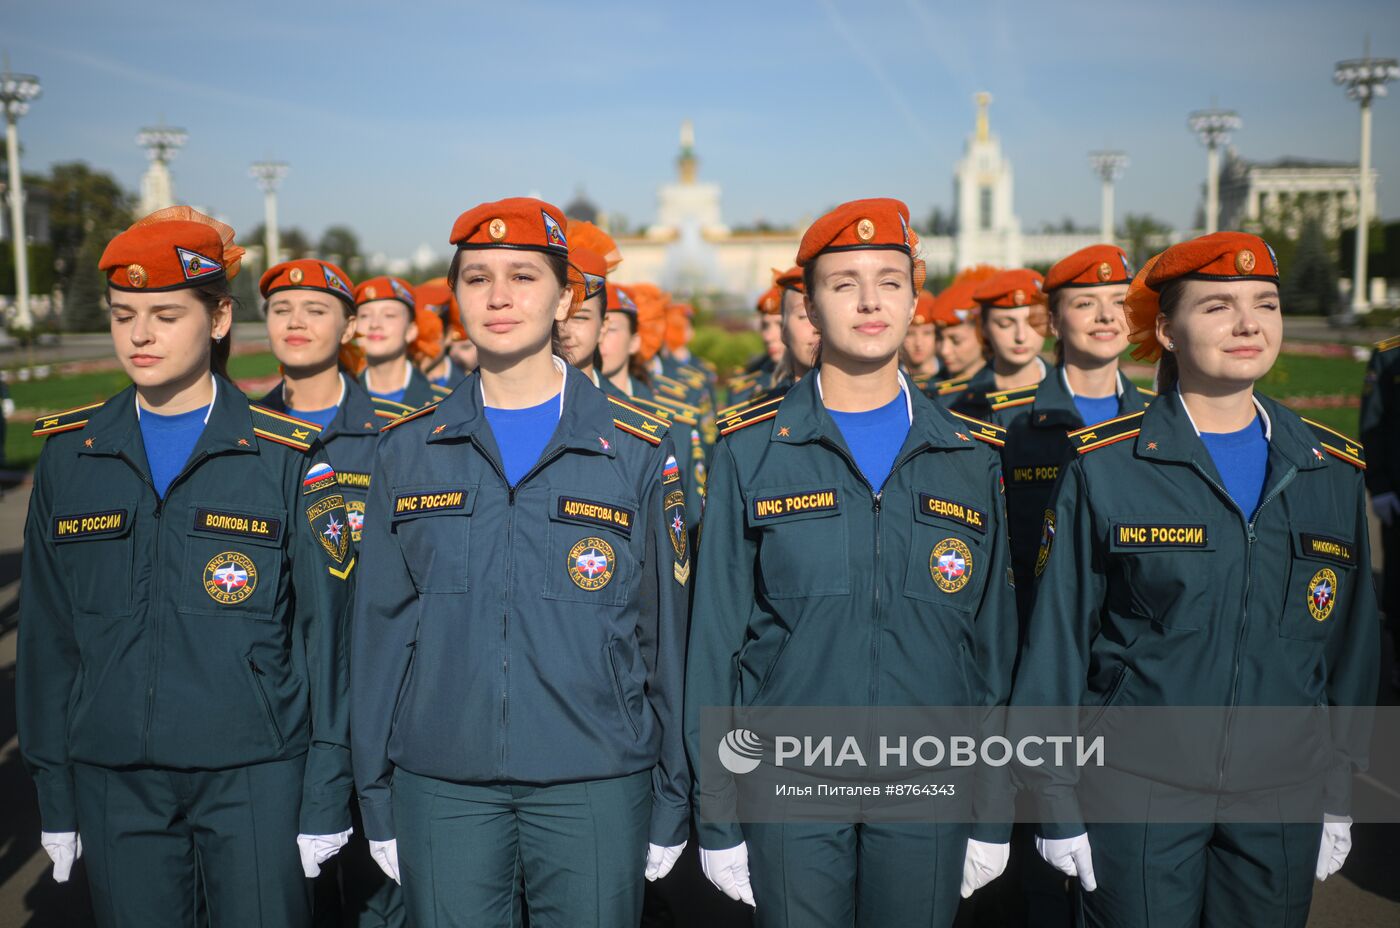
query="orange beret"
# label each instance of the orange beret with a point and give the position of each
(1095, 266)
(171, 249)
(308, 274)
(1218, 256)
(677, 315)
(651, 303)
(583, 234)
(771, 302)
(428, 344)
(384, 288)
(620, 301)
(923, 308)
(438, 296)
(881, 222)
(791, 279)
(1009, 289)
(588, 271)
(518, 222)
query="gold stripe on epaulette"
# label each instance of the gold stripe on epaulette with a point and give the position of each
(737, 424)
(1387, 344)
(1107, 422)
(282, 439)
(1109, 440)
(1010, 404)
(292, 420)
(410, 416)
(1346, 448)
(54, 423)
(750, 407)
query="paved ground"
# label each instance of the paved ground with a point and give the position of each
(1366, 893)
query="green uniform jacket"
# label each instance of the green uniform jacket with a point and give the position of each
(968, 395)
(1380, 419)
(533, 634)
(136, 648)
(1038, 420)
(1156, 590)
(419, 393)
(816, 590)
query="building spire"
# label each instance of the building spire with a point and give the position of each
(983, 100)
(687, 162)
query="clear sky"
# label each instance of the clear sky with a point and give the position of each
(396, 115)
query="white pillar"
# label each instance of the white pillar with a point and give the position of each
(23, 318)
(1106, 213)
(1359, 287)
(1212, 187)
(271, 237)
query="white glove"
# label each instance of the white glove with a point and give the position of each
(1387, 506)
(64, 847)
(317, 849)
(729, 871)
(984, 862)
(386, 854)
(1336, 844)
(7, 406)
(660, 859)
(1070, 856)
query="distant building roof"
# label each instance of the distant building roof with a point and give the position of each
(582, 208)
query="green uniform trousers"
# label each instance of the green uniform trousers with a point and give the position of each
(580, 848)
(156, 840)
(814, 875)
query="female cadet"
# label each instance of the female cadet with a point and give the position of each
(743, 384)
(620, 343)
(917, 353)
(435, 315)
(516, 683)
(962, 348)
(387, 328)
(1209, 551)
(580, 334)
(181, 677)
(799, 606)
(1012, 310)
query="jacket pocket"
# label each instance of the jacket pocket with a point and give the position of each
(233, 561)
(588, 549)
(1115, 693)
(1322, 572)
(803, 545)
(1167, 565)
(93, 546)
(269, 715)
(619, 692)
(948, 554)
(433, 525)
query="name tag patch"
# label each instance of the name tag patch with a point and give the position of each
(1331, 549)
(1153, 536)
(1035, 473)
(617, 518)
(771, 507)
(351, 479)
(430, 502)
(958, 512)
(233, 523)
(92, 523)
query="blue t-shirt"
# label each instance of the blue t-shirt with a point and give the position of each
(521, 434)
(1096, 409)
(169, 440)
(1243, 460)
(395, 395)
(321, 417)
(875, 437)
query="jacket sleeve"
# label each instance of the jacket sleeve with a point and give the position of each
(321, 578)
(1380, 424)
(724, 597)
(661, 634)
(995, 633)
(383, 633)
(48, 662)
(1353, 672)
(1054, 666)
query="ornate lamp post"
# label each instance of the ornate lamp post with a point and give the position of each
(1364, 78)
(1108, 165)
(1213, 128)
(16, 92)
(269, 174)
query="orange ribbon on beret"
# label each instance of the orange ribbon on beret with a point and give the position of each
(428, 344)
(438, 296)
(1140, 308)
(584, 234)
(651, 303)
(517, 222)
(308, 274)
(880, 222)
(385, 288)
(678, 316)
(1095, 266)
(171, 249)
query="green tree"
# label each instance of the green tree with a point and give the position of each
(83, 309)
(339, 245)
(1143, 236)
(1309, 284)
(84, 205)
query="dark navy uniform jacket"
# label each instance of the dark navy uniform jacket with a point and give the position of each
(203, 631)
(527, 634)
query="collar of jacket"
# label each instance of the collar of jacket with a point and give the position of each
(587, 416)
(802, 417)
(1054, 402)
(115, 430)
(355, 417)
(1169, 435)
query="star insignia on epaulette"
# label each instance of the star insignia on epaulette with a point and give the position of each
(1151, 446)
(439, 429)
(1042, 417)
(784, 432)
(87, 443)
(962, 436)
(369, 425)
(243, 442)
(1317, 454)
(604, 442)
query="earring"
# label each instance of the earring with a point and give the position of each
(1171, 346)
(218, 338)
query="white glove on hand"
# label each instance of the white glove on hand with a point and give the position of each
(386, 854)
(317, 849)
(1336, 844)
(984, 862)
(64, 847)
(1070, 856)
(660, 859)
(729, 871)
(1387, 506)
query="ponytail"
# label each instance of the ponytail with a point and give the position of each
(1168, 369)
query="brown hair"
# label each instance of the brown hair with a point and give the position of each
(1168, 301)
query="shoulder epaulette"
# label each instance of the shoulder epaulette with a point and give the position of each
(282, 428)
(409, 417)
(1388, 343)
(1338, 445)
(750, 407)
(1107, 433)
(993, 435)
(680, 405)
(637, 421)
(65, 421)
(439, 390)
(390, 409)
(751, 415)
(1146, 392)
(663, 411)
(1007, 399)
(948, 387)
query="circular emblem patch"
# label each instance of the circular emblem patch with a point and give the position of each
(1105, 271)
(295, 275)
(136, 275)
(1244, 261)
(496, 228)
(371, 293)
(1019, 297)
(865, 230)
(1322, 594)
(591, 563)
(1047, 541)
(950, 564)
(230, 578)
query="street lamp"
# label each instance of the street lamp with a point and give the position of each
(161, 143)
(16, 90)
(1363, 79)
(1108, 165)
(1213, 128)
(269, 174)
